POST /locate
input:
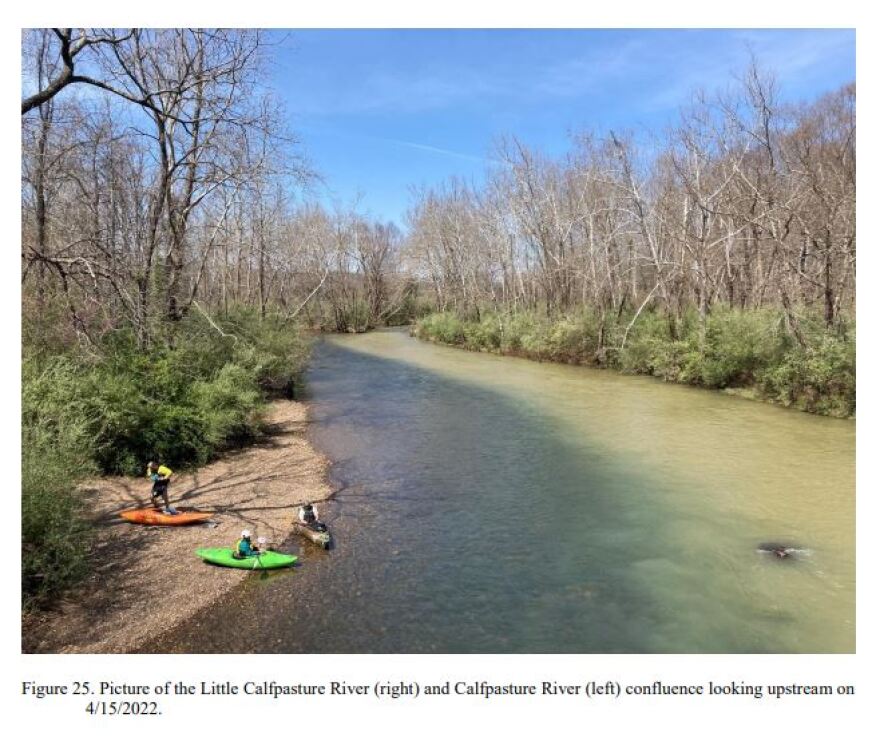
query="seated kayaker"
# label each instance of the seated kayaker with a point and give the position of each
(245, 548)
(308, 514)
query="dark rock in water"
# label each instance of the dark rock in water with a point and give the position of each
(779, 550)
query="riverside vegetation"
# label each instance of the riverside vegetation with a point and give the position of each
(749, 351)
(720, 255)
(170, 267)
(167, 271)
(110, 410)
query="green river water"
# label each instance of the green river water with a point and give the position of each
(490, 504)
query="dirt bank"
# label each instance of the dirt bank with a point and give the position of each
(147, 579)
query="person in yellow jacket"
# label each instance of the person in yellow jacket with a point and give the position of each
(161, 478)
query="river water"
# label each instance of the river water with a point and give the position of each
(490, 504)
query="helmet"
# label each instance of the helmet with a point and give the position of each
(245, 533)
(307, 506)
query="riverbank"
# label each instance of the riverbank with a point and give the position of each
(748, 353)
(147, 580)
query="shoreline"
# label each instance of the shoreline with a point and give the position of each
(148, 580)
(748, 393)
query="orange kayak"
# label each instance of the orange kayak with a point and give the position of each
(151, 516)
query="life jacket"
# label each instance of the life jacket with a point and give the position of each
(236, 550)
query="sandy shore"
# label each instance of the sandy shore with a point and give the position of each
(148, 579)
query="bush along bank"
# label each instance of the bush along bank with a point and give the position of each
(750, 351)
(110, 409)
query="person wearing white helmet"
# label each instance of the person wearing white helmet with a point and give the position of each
(245, 548)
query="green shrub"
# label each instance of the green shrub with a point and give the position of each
(122, 410)
(185, 402)
(573, 338)
(175, 433)
(820, 379)
(568, 339)
(734, 348)
(112, 410)
(518, 327)
(483, 335)
(674, 361)
(270, 347)
(353, 318)
(644, 350)
(527, 333)
(738, 346)
(443, 327)
(56, 448)
(228, 406)
(53, 535)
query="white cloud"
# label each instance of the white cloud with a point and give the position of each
(662, 67)
(437, 150)
(788, 55)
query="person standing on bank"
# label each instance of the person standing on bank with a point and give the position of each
(161, 478)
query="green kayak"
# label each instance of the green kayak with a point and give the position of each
(267, 560)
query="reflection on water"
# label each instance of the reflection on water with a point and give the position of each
(498, 505)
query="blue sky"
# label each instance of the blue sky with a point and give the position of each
(378, 111)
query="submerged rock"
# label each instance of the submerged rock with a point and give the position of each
(778, 550)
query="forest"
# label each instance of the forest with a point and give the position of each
(175, 261)
(722, 255)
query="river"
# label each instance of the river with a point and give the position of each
(490, 504)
